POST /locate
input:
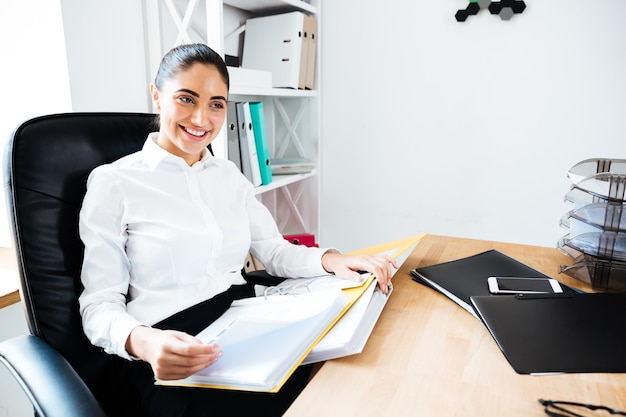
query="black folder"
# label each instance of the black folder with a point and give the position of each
(463, 278)
(546, 334)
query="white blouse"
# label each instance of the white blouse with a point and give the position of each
(161, 236)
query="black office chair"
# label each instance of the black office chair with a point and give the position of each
(47, 162)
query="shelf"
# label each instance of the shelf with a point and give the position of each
(263, 6)
(279, 181)
(292, 117)
(275, 92)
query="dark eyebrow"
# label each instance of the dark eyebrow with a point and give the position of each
(193, 93)
(185, 90)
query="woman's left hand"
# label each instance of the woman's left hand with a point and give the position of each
(346, 266)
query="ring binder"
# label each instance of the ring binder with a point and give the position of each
(292, 288)
(252, 329)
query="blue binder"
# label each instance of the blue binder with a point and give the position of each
(260, 136)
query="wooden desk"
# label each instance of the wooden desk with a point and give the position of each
(8, 278)
(429, 357)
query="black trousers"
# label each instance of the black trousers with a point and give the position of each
(137, 392)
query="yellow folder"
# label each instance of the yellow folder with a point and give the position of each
(395, 249)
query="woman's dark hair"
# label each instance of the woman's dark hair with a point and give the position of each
(184, 57)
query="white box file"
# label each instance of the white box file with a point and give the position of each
(274, 44)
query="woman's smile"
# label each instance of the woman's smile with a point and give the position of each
(195, 134)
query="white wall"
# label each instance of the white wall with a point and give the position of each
(429, 124)
(465, 129)
(106, 55)
(33, 71)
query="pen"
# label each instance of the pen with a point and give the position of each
(540, 296)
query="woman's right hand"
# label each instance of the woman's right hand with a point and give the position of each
(171, 354)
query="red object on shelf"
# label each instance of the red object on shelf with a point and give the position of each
(305, 239)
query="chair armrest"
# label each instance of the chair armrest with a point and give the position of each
(49, 381)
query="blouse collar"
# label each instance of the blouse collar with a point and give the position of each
(155, 155)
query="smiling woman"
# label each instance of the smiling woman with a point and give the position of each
(166, 232)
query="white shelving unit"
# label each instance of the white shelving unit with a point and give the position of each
(292, 116)
(265, 6)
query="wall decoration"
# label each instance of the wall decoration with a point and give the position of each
(504, 8)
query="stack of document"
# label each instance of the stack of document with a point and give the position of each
(349, 335)
(264, 339)
(596, 223)
(303, 320)
(282, 166)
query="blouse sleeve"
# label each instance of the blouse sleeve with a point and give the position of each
(105, 270)
(280, 257)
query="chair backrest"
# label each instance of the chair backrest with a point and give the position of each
(47, 162)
